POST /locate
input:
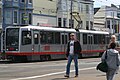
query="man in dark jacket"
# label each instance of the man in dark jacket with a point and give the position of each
(73, 50)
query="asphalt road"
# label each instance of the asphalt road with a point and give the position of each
(51, 70)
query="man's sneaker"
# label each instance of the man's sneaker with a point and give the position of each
(67, 76)
(76, 75)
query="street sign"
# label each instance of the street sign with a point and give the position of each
(25, 17)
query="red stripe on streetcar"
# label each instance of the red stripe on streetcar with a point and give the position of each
(45, 53)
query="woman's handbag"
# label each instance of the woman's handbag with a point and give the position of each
(102, 66)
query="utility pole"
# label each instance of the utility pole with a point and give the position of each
(71, 21)
(113, 24)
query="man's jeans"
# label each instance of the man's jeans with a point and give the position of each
(70, 57)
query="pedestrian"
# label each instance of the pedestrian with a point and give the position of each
(114, 40)
(73, 50)
(113, 61)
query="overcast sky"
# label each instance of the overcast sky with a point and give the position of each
(99, 3)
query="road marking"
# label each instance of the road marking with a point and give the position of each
(3, 66)
(50, 74)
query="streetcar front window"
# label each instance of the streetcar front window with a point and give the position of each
(12, 39)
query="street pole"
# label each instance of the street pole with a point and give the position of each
(113, 24)
(68, 13)
(71, 21)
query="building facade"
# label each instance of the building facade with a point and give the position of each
(17, 12)
(82, 11)
(106, 19)
(58, 13)
(47, 7)
(44, 12)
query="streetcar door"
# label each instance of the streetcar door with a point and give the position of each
(26, 41)
(90, 41)
(36, 46)
(64, 40)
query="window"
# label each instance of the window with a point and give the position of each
(79, 7)
(71, 22)
(8, 17)
(91, 10)
(36, 38)
(84, 38)
(90, 39)
(108, 24)
(22, 0)
(64, 22)
(87, 25)
(50, 37)
(118, 15)
(64, 39)
(99, 38)
(26, 37)
(91, 24)
(57, 38)
(107, 39)
(82, 8)
(30, 1)
(30, 18)
(116, 27)
(87, 8)
(59, 22)
(43, 37)
(12, 37)
(47, 38)
(95, 39)
(15, 17)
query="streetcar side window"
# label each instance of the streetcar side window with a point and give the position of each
(57, 37)
(50, 37)
(99, 38)
(43, 38)
(84, 38)
(26, 37)
(95, 39)
(107, 39)
(36, 38)
(64, 39)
